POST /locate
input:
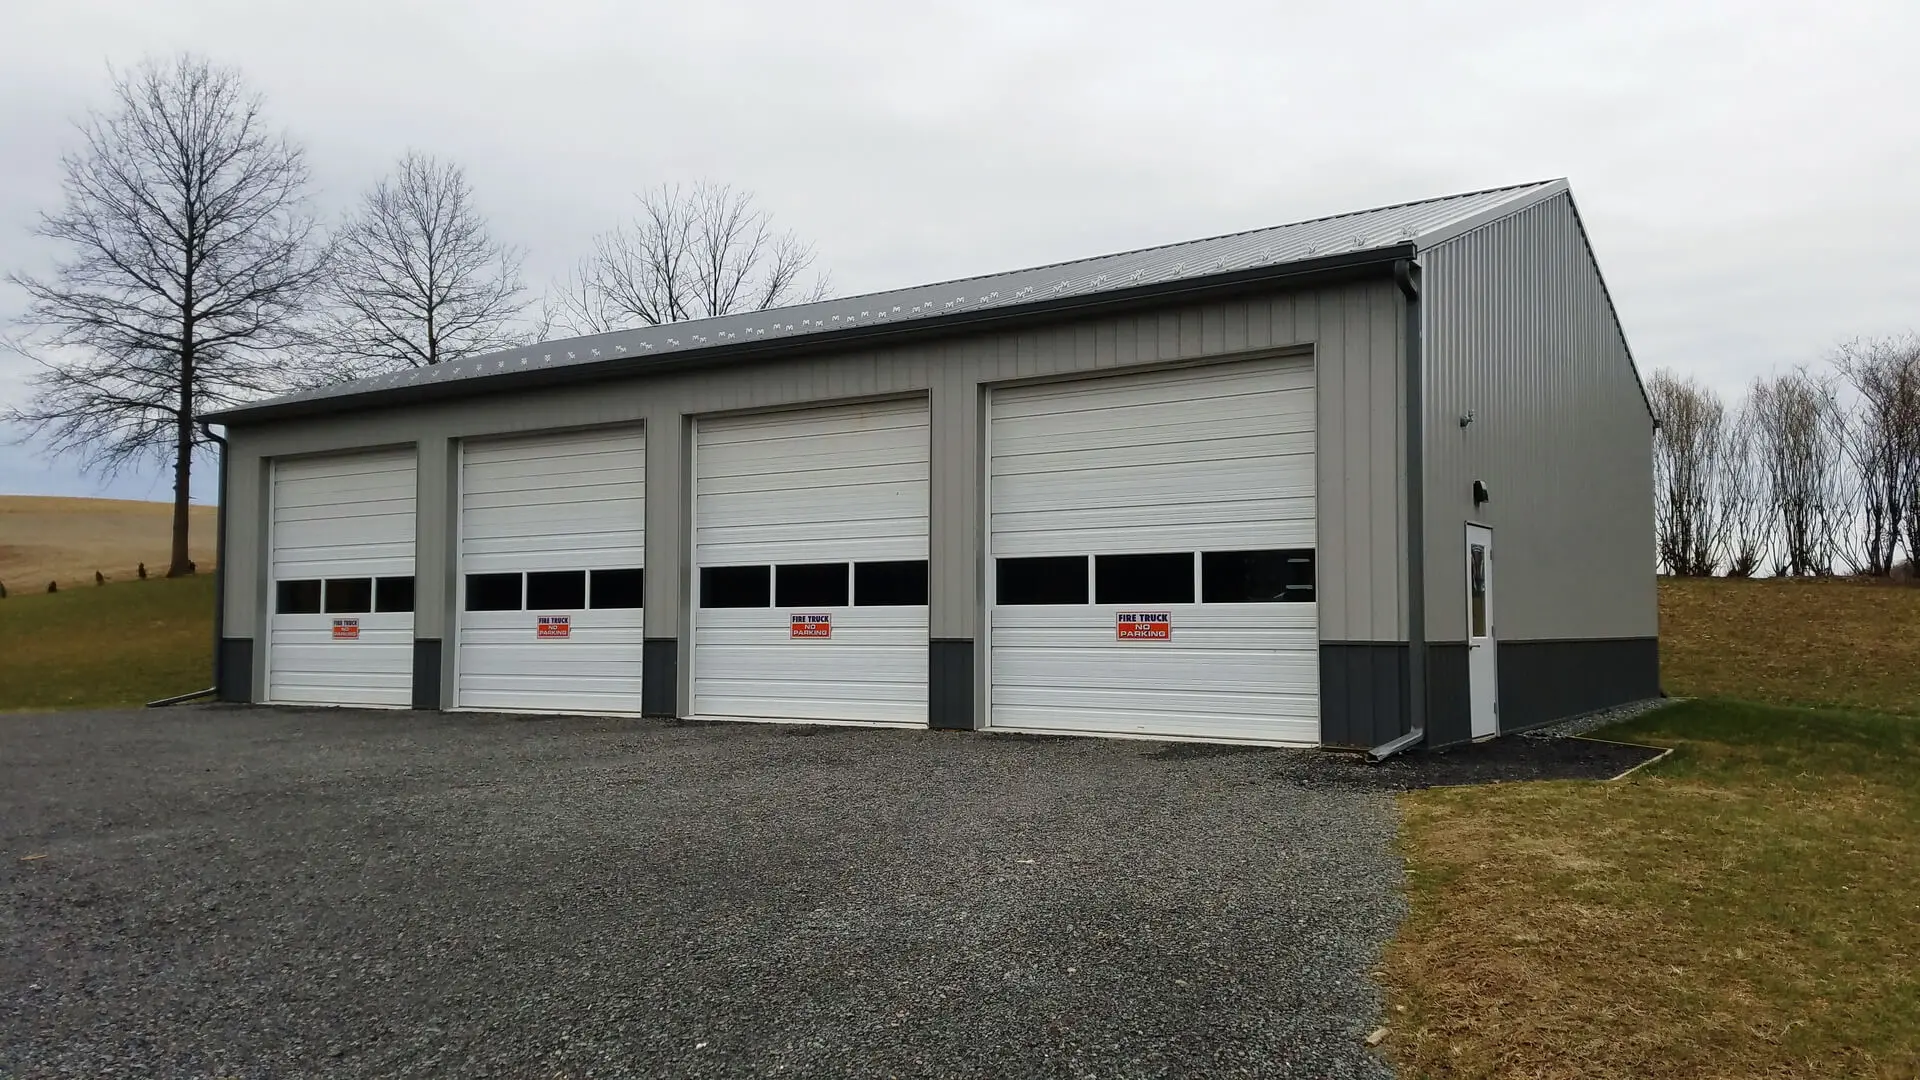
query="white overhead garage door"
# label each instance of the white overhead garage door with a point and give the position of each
(341, 631)
(810, 547)
(552, 550)
(1152, 555)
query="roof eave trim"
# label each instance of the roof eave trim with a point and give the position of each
(1329, 268)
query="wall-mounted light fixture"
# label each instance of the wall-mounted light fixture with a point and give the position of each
(1466, 418)
(1480, 493)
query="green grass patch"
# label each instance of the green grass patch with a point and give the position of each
(117, 644)
(1745, 908)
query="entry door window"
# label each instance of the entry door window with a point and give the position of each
(1477, 589)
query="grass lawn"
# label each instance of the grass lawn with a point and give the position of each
(118, 644)
(1844, 643)
(1748, 907)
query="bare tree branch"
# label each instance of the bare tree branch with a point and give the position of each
(1798, 427)
(1882, 441)
(687, 254)
(417, 279)
(1688, 448)
(1746, 504)
(189, 254)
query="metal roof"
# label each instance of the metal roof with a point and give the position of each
(1404, 226)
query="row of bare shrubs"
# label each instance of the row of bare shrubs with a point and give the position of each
(1812, 473)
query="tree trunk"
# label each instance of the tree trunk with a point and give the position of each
(181, 565)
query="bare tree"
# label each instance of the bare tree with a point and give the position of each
(417, 279)
(1688, 445)
(189, 254)
(1746, 503)
(687, 254)
(1798, 428)
(1883, 441)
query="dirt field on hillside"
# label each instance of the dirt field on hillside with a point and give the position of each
(48, 538)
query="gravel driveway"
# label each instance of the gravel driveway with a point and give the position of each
(239, 892)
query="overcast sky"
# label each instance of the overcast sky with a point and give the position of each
(1745, 169)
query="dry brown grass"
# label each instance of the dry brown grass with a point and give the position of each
(1746, 909)
(1835, 642)
(48, 538)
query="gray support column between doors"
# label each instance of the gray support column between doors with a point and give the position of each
(956, 596)
(236, 670)
(659, 677)
(428, 664)
(436, 562)
(950, 684)
(954, 492)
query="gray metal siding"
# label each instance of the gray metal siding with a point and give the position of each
(1355, 332)
(1544, 681)
(1519, 330)
(1363, 692)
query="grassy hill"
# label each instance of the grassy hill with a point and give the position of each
(1743, 908)
(48, 538)
(1792, 642)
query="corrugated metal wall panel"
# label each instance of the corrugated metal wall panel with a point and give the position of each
(1520, 332)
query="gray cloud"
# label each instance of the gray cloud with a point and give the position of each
(1742, 167)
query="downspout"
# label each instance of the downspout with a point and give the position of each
(1406, 274)
(219, 566)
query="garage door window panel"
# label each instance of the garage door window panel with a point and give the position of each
(890, 584)
(1143, 579)
(810, 585)
(1257, 577)
(297, 597)
(557, 590)
(349, 596)
(1046, 579)
(618, 588)
(736, 586)
(393, 594)
(493, 592)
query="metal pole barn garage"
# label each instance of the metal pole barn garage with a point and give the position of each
(1372, 480)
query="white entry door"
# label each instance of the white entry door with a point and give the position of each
(340, 630)
(552, 544)
(810, 564)
(1483, 649)
(1152, 555)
